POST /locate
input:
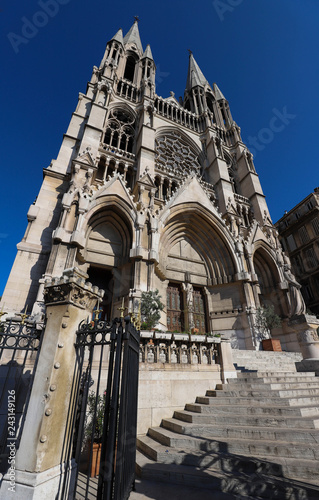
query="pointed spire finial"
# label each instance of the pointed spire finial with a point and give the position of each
(190, 51)
(133, 36)
(195, 76)
(137, 19)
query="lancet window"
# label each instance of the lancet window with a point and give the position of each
(130, 68)
(120, 131)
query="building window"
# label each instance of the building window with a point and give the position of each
(315, 225)
(130, 69)
(303, 235)
(311, 258)
(175, 318)
(297, 264)
(291, 243)
(120, 131)
(309, 205)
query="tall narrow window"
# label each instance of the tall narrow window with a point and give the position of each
(199, 310)
(175, 320)
(129, 69)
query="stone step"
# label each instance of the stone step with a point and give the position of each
(292, 435)
(263, 367)
(267, 386)
(272, 380)
(237, 353)
(302, 411)
(228, 462)
(236, 445)
(225, 485)
(235, 419)
(266, 374)
(264, 392)
(257, 401)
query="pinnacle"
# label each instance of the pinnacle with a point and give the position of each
(148, 53)
(218, 93)
(118, 36)
(133, 36)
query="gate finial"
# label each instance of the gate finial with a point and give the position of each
(24, 315)
(122, 309)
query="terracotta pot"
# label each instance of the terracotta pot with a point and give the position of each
(271, 345)
(96, 457)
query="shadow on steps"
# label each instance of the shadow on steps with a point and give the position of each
(225, 475)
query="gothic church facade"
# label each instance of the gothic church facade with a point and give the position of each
(156, 193)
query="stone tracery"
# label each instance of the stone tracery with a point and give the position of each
(175, 157)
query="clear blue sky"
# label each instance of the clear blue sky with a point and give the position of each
(263, 54)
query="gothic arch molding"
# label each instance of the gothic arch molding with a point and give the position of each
(268, 276)
(201, 238)
(112, 204)
(108, 237)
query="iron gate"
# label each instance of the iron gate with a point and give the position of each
(105, 426)
(20, 344)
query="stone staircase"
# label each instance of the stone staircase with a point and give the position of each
(255, 437)
(266, 360)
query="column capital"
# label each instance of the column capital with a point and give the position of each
(71, 288)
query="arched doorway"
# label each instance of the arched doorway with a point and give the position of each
(109, 238)
(268, 278)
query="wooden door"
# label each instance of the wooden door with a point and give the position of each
(199, 310)
(174, 309)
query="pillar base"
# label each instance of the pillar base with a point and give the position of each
(39, 485)
(308, 365)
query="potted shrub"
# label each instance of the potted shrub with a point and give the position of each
(93, 436)
(151, 307)
(266, 320)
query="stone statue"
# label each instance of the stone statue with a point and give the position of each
(297, 304)
(188, 289)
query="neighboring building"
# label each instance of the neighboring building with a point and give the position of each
(156, 193)
(299, 235)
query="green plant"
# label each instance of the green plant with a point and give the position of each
(95, 406)
(151, 307)
(266, 320)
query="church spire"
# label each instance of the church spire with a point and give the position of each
(133, 36)
(195, 76)
(218, 93)
(118, 37)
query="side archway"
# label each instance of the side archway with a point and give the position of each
(268, 279)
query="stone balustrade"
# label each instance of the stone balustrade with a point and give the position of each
(179, 349)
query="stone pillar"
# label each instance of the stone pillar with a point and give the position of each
(43, 452)
(227, 366)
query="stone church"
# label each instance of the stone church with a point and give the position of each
(151, 192)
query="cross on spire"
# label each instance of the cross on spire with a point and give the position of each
(190, 51)
(136, 18)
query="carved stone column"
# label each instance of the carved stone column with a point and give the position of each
(43, 452)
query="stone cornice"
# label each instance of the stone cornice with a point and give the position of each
(55, 174)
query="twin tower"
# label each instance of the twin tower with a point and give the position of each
(151, 192)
